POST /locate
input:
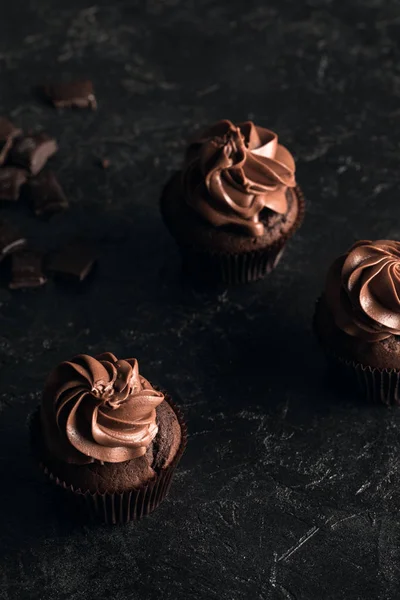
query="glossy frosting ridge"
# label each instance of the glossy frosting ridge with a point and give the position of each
(363, 290)
(99, 409)
(233, 172)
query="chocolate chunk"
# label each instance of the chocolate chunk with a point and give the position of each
(73, 262)
(46, 194)
(32, 152)
(11, 180)
(10, 239)
(8, 132)
(26, 270)
(79, 94)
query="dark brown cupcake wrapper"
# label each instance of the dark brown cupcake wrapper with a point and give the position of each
(129, 505)
(375, 384)
(244, 267)
(379, 385)
(231, 268)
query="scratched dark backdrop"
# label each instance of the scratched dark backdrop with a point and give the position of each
(288, 489)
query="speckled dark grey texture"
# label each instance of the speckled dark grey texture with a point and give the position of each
(287, 489)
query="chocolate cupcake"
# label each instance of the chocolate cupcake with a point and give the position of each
(107, 436)
(357, 320)
(234, 204)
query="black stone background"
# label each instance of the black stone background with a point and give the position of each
(288, 489)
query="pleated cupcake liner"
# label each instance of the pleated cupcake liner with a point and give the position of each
(237, 268)
(119, 507)
(231, 269)
(376, 385)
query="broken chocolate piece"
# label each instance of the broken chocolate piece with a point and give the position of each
(11, 180)
(10, 239)
(79, 94)
(46, 194)
(73, 262)
(32, 152)
(8, 132)
(26, 270)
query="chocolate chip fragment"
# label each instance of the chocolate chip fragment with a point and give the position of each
(32, 152)
(46, 194)
(79, 94)
(10, 239)
(8, 132)
(73, 262)
(11, 180)
(26, 270)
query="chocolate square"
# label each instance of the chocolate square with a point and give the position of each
(73, 262)
(79, 94)
(46, 194)
(8, 132)
(26, 270)
(11, 180)
(33, 151)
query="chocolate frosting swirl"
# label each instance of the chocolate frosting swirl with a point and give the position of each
(363, 290)
(232, 173)
(99, 409)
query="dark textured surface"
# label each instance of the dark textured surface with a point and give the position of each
(288, 490)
